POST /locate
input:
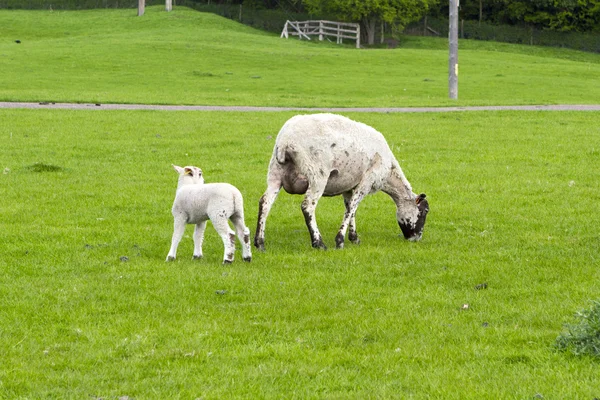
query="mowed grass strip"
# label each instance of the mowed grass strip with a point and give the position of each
(188, 57)
(91, 310)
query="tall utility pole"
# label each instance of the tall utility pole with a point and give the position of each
(141, 6)
(453, 44)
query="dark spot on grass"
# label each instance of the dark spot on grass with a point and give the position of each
(41, 167)
(201, 74)
(517, 359)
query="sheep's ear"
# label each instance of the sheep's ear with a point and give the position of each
(178, 169)
(420, 198)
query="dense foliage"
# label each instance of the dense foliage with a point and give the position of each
(557, 15)
(583, 338)
(371, 13)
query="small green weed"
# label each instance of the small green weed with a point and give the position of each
(583, 338)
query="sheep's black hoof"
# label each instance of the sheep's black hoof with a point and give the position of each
(225, 262)
(197, 258)
(169, 258)
(353, 237)
(339, 241)
(259, 244)
(247, 259)
(319, 245)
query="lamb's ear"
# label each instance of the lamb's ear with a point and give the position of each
(420, 198)
(178, 169)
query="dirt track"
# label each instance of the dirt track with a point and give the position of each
(83, 106)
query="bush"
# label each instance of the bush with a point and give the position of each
(583, 338)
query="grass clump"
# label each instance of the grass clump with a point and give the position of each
(42, 167)
(583, 338)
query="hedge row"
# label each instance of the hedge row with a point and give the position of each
(512, 34)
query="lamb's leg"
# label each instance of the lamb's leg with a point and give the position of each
(199, 239)
(352, 235)
(309, 205)
(243, 234)
(178, 231)
(266, 202)
(227, 235)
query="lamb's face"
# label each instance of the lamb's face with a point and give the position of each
(413, 228)
(193, 175)
(189, 175)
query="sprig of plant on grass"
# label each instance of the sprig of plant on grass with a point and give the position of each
(583, 338)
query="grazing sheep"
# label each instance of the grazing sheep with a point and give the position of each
(197, 202)
(328, 155)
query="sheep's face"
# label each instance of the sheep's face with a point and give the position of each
(189, 175)
(412, 228)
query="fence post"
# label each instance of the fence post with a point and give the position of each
(320, 30)
(141, 6)
(168, 5)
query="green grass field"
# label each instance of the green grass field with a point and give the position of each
(514, 205)
(187, 57)
(90, 310)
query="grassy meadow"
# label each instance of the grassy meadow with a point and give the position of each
(90, 310)
(187, 57)
(510, 253)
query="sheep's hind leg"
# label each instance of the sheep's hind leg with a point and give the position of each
(228, 237)
(199, 239)
(178, 231)
(243, 234)
(265, 203)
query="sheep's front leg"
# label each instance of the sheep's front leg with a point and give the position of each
(353, 200)
(349, 218)
(309, 206)
(178, 231)
(352, 234)
(199, 239)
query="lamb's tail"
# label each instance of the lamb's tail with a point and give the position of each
(238, 203)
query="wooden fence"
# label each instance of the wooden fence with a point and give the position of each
(338, 30)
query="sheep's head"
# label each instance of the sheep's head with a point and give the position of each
(189, 175)
(412, 227)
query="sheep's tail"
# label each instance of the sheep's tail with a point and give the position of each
(280, 152)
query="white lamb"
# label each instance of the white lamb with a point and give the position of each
(197, 202)
(328, 155)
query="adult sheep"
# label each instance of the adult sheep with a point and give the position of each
(328, 155)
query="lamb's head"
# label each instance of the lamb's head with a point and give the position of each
(189, 175)
(412, 220)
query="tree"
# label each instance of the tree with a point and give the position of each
(370, 13)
